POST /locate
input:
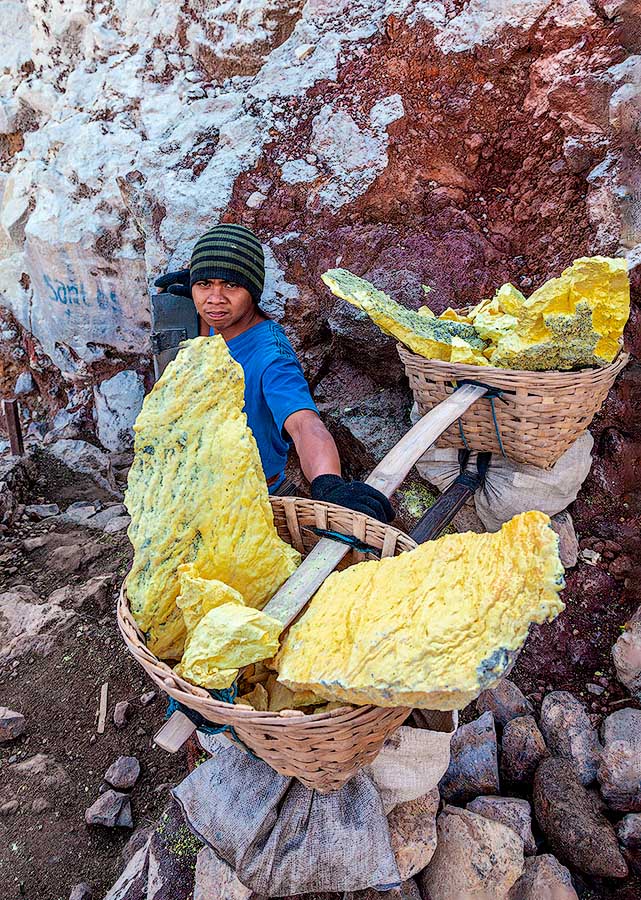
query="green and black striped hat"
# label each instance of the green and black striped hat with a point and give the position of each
(232, 252)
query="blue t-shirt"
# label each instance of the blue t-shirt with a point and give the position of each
(275, 387)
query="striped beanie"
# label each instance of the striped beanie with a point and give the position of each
(232, 252)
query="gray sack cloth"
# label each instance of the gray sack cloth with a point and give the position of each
(281, 838)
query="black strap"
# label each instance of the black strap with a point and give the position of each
(441, 513)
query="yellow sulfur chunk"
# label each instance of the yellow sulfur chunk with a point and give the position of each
(199, 595)
(451, 315)
(420, 332)
(461, 352)
(258, 698)
(226, 638)
(280, 697)
(425, 311)
(570, 322)
(432, 627)
(197, 494)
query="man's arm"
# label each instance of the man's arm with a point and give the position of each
(314, 444)
(321, 466)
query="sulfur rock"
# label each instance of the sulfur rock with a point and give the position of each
(424, 334)
(199, 595)
(197, 495)
(226, 638)
(573, 321)
(432, 627)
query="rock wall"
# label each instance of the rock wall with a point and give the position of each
(454, 144)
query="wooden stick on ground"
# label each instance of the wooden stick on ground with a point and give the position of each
(102, 709)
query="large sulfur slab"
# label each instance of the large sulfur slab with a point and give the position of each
(423, 334)
(197, 494)
(432, 627)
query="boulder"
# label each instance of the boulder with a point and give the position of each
(412, 827)
(101, 519)
(622, 725)
(118, 523)
(40, 511)
(568, 544)
(173, 853)
(505, 702)
(117, 402)
(24, 384)
(123, 773)
(569, 733)
(16, 475)
(629, 831)
(139, 839)
(543, 878)
(85, 459)
(570, 817)
(27, 626)
(619, 772)
(81, 891)
(214, 878)
(522, 749)
(626, 654)
(94, 594)
(12, 724)
(132, 884)
(111, 809)
(473, 767)
(510, 811)
(79, 511)
(474, 856)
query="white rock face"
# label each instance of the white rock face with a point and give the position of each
(118, 401)
(140, 118)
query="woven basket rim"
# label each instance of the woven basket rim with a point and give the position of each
(621, 360)
(184, 691)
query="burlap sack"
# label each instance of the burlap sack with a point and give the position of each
(511, 488)
(281, 838)
(412, 761)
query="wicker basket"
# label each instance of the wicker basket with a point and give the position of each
(322, 750)
(538, 415)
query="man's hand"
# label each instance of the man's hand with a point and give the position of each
(354, 495)
(175, 283)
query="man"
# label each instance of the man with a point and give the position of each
(225, 280)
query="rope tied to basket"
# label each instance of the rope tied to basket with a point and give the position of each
(492, 394)
(227, 695)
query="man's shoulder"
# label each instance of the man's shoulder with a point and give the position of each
(274, 343)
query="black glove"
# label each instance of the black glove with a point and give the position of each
(175, 283)
(354, 495)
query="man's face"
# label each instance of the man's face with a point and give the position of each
(223, 304)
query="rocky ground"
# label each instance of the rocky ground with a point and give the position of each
(544, 780)
(59, 644)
